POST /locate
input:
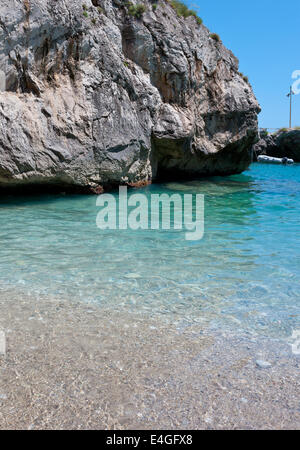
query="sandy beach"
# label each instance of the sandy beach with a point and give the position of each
(71, 365)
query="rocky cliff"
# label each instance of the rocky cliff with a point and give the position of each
(284, 143)
(95, 95)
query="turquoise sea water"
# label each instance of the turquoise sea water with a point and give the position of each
(243, 275)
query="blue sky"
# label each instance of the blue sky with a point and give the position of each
(265, 36)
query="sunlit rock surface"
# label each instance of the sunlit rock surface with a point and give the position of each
(92, 97)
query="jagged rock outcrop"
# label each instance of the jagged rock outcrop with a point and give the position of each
(285, 143)
(94, 97)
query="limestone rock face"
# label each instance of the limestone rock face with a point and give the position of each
(92, 96)
(280, 145)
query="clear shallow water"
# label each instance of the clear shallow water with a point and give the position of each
(243, 275)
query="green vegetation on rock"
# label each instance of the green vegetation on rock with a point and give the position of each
(183, 11)
(245, 78)
(136, 10)
(215, 37)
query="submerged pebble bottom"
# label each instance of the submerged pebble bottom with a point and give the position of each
(72, 365)
(243, 275)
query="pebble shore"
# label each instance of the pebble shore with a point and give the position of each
(71, 365)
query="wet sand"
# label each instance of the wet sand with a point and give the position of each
(71, 365)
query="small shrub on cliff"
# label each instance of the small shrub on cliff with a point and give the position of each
(183, 11)
(245, 78)
(154, 6)
(215, 37)
(85, 14)
(180, 8)
(137, 10)
(198, 19)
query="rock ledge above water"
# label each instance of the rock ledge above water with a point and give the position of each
(95, 97)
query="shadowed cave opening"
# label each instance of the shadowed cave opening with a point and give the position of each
(175, 160)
